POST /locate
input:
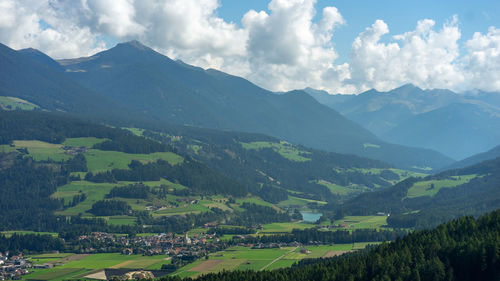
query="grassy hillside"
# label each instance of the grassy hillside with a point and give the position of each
(161, 181)
(11, 103)
(296, 175)
(428, 201)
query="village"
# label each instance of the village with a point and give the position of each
(13, 267)
(179, 248)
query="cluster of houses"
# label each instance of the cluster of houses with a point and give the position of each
(271, 245)
(159, 244)
(13, 267)
(75, 150)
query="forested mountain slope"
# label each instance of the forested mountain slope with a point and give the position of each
(256, 159)
(135, 76)
(425, 202)
(54, 168)
(30, 75)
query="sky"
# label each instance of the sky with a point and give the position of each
(337, 46)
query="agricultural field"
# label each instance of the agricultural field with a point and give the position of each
(283, 148)
(359, 222)
(243, 258)
(41, 151)
(354, 188)
(432, 187)
(339, 189)
(9, 233)
(135, 131)
(77, 266)
(87, 142)
(98, 191)
(284, 227)
(300, 203)
(97, 160)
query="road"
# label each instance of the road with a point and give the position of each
(278, 258)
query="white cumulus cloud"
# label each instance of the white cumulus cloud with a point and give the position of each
(482, 62)
(288, 50)
(36, 24)
(424, 57)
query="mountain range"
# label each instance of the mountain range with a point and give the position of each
(457, 125)
(133, 83)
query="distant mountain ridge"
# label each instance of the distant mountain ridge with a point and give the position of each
(134, 84)
(136, 76)
(475, 159)
(457, 125)
(33, 76)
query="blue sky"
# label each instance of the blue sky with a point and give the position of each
(400, 15)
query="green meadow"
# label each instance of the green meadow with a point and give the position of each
(87, 142)
(298, 202)
(358, 222)
(285, 149)
(135, 131)
(11, 103)
(41, 151)
(9, 233)
(284, 227)
(432, 187)
(338, 189)
(77, 266)
(246, 258)
(99, 160)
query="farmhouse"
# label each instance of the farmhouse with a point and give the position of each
(305, 251)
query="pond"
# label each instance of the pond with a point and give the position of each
(310, 216)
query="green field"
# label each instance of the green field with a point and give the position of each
(135, 131)
(98, 191)
(243, 258)
(299, 203)
(432, 187)
(235, 258)
(40, 150)
(338, 189)
(254, 200)
(10, 232)
(99, 160)
(11, 103)
(354, 188)
(55, 274)
(284, 148)
(93, 191)
(357, 222)
(284, 227)
(50, 257)
(86, 142)
(76, 266)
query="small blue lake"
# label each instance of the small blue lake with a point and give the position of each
(310, 216)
